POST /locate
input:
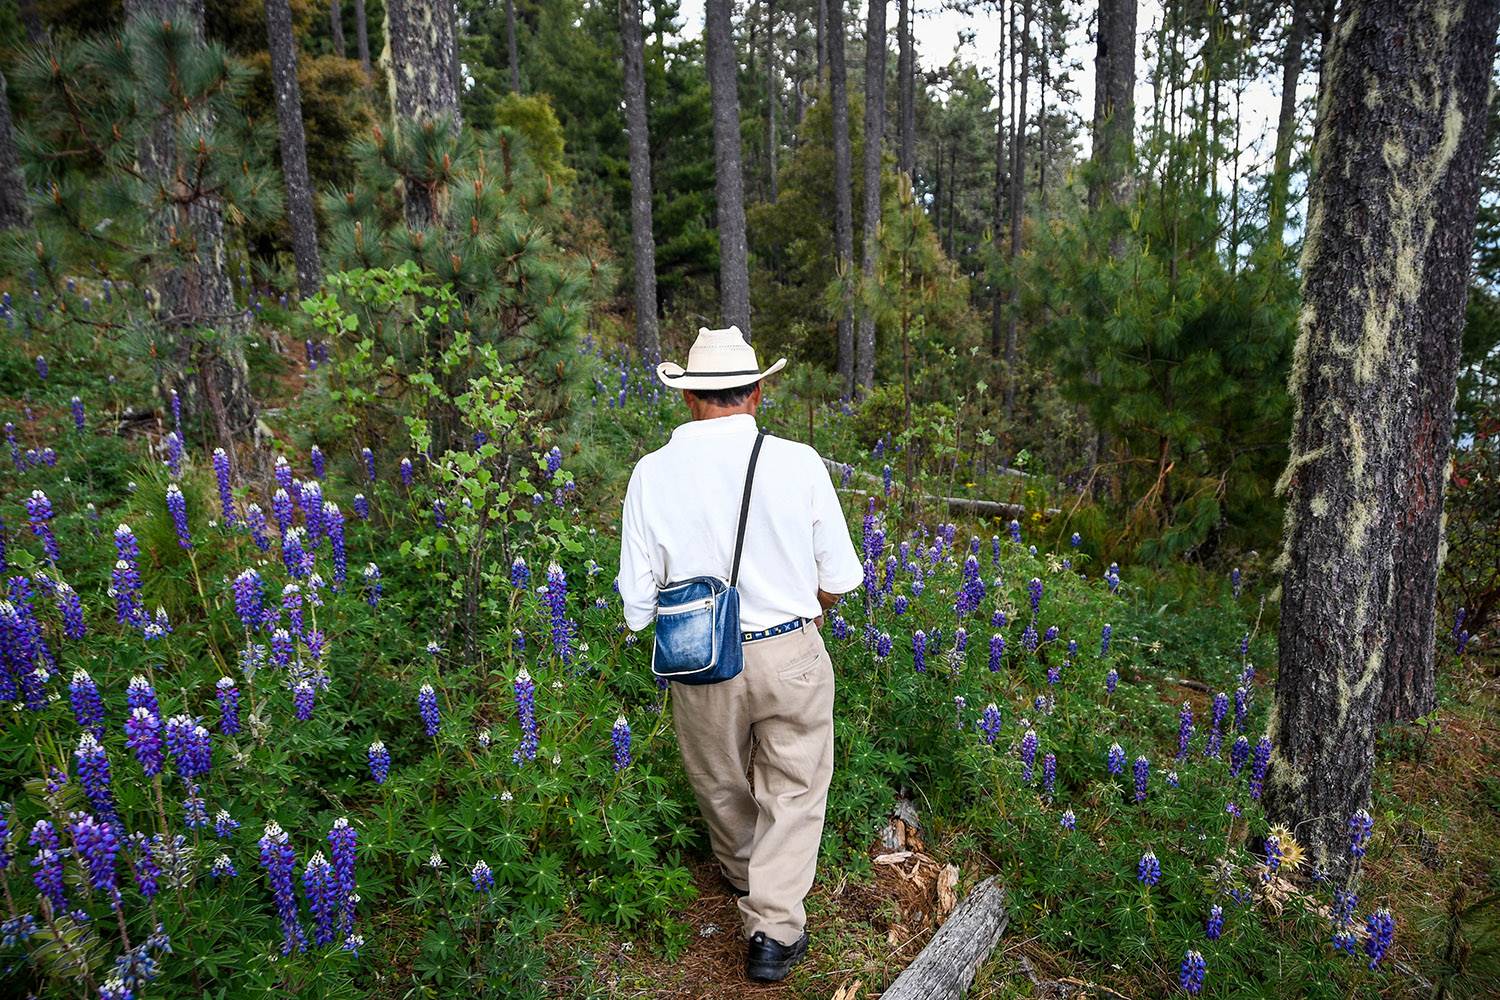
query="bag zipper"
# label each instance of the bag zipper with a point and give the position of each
(678, 609)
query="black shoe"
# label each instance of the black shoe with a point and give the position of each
(768, 961)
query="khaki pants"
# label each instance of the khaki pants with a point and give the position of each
(766, 839)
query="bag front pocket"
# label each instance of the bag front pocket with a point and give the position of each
(685, 640)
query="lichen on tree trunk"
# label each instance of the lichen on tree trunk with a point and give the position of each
(1385, 263)
(421, 53)
(729, 182)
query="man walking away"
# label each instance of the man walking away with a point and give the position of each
(679, 522)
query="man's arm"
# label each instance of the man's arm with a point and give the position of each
(839, 568)
(637, 579)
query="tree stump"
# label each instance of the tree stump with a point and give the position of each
(946, 967)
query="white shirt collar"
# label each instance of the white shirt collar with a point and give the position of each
(714, 425)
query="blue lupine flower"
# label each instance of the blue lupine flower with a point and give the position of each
(1049, 774)
(1190, 975)
(1104, 635)
(1015, 532)
(333, 525)
(39, 514)
(520, 574)
(97, 847)
(1184, 729)
(48, 863)
(557, 602)
(1029, 639)
(283, 510)
(1258, 764)
(225, 824)
(143, 737)
(1172, 780)
(280, 861)
(282, 648)
(619, 738)
(88, 707)
(222, 868)
(71, 609)
(283, 473)
(380, 762)
(1112, 578)
(525, 696)
(1076, 540)
(368, 457)
(997, 651)
(322, 898)
(1028, 755)
(1239, 753)
(1234, 581)
(1115, 759)
(296, 558)
(1380, 929)
(310, 499)
(555, 459)
(1241, 708)
(158, 628)
(989, 723)
(143, 865)
(1342, 918)
(427, 706)
(190, 746)
(372, 585)
(1148, 869)
(361, 507)
(958, 711)
(41, 367)
(250, 599)
(971, 593)
(1051, 634)
(406, 472)
(343, 844)
(439, 513)
(1361, 825)
(899, 605)
(1274, 856)
(1068, 821)
(482, 878)
(919, 651)
(177, 507)
(303, 696)
(78, 421)
(1215, 925)
(1216, 732)
(94, 776)
(883, 644)
(319, 465)
(1034, 593)
(885, 475)
(1142, 770)
(226, 489)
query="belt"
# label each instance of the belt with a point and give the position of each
(774, 630)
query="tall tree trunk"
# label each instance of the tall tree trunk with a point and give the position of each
(362, 35)
(209, 375)
(510, 46)
(420, 35)
(906, 71)
(1286, 121)
(773, 98)
(336, 27)
(823, 37)
(843, 186)
(13, 211)
(729, 179)
(864, 347)
(1114, 101)
(293, 140)
(1022, 45)
(36, 34)
(1041, 115)
(997, 215)
(1385, 271)
(643, 243)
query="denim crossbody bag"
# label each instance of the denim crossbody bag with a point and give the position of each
(698, 620)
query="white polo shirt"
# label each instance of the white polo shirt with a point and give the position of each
(682, 508)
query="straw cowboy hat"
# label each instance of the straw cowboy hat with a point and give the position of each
(719, 359)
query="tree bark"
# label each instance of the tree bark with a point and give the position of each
(906, 72)
(1286, 120)
(210, 376)
(843, 187)
(336, 27)
(822, 39)
(14, 213)
(1114, 101)
(1022, 44)
(643, 243)
(362, 35)
(1385, 267)
(510, 47)
(945, 969)
(997, 217)
(729, 180)
(293, 139)
(773, 98)
(864, 347)
(36, 34)
(423, 50)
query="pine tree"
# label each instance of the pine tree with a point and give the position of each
(843, 197)
(13, 211)
(734, 262)
(299, 195)
(643, 243)
(362, 35)
(1401, 135)
(336, 27)
(874, 149)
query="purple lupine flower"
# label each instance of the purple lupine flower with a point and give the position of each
(1148, 869)
(343, 843)
(482, 878)
(886, 477)
(143, 737)
(228, 697)
(1034, 594)
(225, 824)
(333, 525)
(97, 847)
(997, 651)
(41, 367)
(177, 507)
(1112, 578)
(368, 457)
(1054, 675)
(958, 711)
(380, 762)
(1111, 678)
(322, 898)
(222, 868)
(1342, 918)
(557, 602)
(989, 723)
(1241, 708)
(226, 488)
(310, 499)
(78, 421)
(372, 585)
(1380, 930)
(88, 707)
(1216, 732)
(302, 701)
(361, 507)
(1015, 532)
(48, 863)
(427, 706)
(899, 605)
(1051, 634)
(139, 694)
(143, 865)
(972, 591)
(619, 738)
(250, 599)
(1067, 820)
(1115, 759)
(71, 609)
(439, 513)
(283, 510)
(158, 628)
(1028, 755)
(525, 695)
(1184, 729)
(919, 651)
(1049, 774)
(1142, 771)
(39, 514)
(176, 406)
(1239, 753)
(520, 574)
(1234, 582)
(1190, 974)
(94, 777)
(319, 465)
(173, 442)
(406, 472)
(194, 809)
(1029, 640)
(883, 644)
(282, 648)
(293, 555)
(280, 861)
(1361, 825)
(1258, 763)
(190, 745)
(1215, 925)
(1104, 635)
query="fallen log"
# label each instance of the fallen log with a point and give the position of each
(946, 967)
(959, 505)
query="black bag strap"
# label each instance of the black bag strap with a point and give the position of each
(739, 538)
